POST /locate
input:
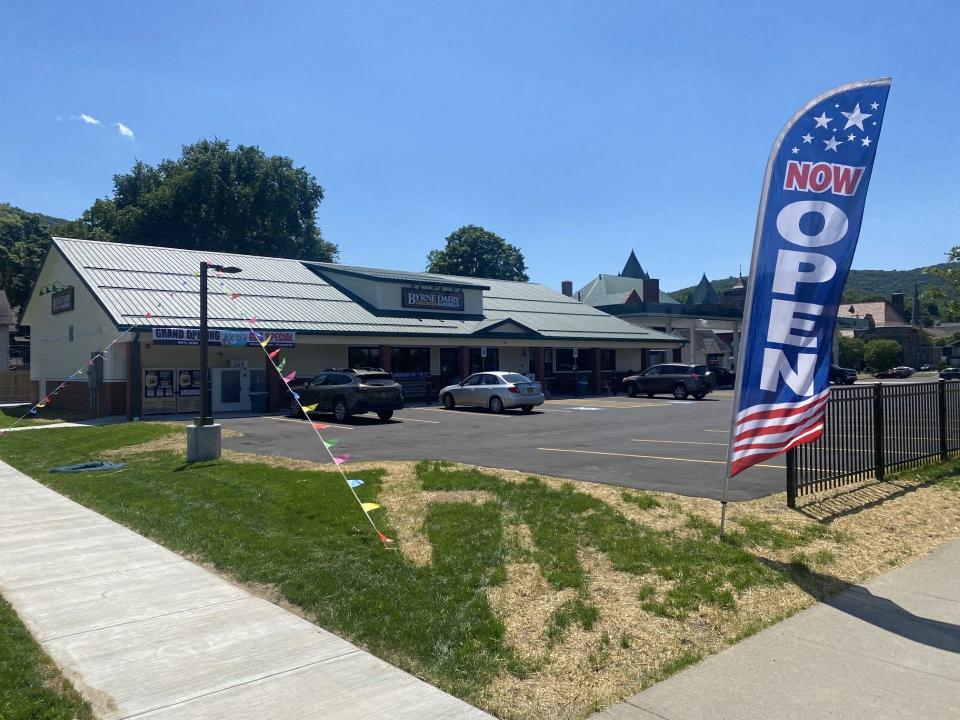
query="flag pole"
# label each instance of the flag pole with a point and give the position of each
(752, 277)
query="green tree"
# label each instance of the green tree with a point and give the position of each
(23, 243)
(882, 354)
(851, 352)
(475, 252)
(214, 198)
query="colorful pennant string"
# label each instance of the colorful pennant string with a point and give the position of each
(354, 482)
(328, 443)
(383, 538)
(281, 365)
(309, 408)
(265, 342)
(341, 459)
(367, 507)
(272, 354)
(289, 378)
(320, 426)
(235, 296)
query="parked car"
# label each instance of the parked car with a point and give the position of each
(842, 375)
(723, 377)
(901, 371)
(349, 392)
(680, 381)
(927, 367)
(496, 390)
(950, 373)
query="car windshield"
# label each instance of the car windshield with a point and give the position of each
(515, 378)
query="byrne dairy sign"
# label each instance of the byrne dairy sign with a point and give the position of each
(231, 338)
(432, 299)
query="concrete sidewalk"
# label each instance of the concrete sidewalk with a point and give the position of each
(888, 649)
(144, 633)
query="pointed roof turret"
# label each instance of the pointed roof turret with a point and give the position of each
(703, 294)
(633, 269)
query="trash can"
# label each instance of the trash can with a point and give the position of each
(583, 386)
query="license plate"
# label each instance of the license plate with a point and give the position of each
(529, 391)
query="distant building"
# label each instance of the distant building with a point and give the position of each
(882, 319)
(708, 321)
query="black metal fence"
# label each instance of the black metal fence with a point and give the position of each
(871, 430)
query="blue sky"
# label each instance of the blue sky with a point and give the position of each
(575, 130)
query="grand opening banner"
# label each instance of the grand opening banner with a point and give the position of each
(811, 209)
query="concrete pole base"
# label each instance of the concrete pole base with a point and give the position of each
(203, 442)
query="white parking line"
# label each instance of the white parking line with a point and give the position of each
(723, 431)
(677, 442)
(654, 457)
(409, 419)
(304, 422)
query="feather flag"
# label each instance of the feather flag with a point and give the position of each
(367, 507)
(341, 459)
(329, 443)
(355, 482)
(289, 378)
(310, 408)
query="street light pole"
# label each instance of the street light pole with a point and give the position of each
(204, 418)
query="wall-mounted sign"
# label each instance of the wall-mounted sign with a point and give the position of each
(61, 300)
(188, 383)
(432, 299)
(229, 338)
(157, 383)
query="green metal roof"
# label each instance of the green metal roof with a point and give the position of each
(131, 281)
(606, 290)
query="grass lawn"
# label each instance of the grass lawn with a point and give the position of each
(31, 687)
(528, 596)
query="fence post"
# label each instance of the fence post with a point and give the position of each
(792, 478)
(878, 459)
(942, 401)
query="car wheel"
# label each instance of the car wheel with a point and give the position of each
(295, 411)
(527, 409)
(680, 391)
(448, 402)
(496, 404)
(699, 396)
(385, 415)
(340, 412)
(632, 389)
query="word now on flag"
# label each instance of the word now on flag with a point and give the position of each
(811, 209)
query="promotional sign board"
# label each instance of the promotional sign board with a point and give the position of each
(158, 383)
(188, 383)
(432, 299)
(226, 338)
(61, 300)
(811, 209)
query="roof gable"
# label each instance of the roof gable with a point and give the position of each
(633, 269)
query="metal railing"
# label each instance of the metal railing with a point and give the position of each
(871, 430)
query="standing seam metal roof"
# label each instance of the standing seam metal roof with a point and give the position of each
(286, 294)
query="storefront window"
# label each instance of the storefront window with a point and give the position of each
(478, 363)
(608, 360)
(449, 364)
(410, 360)
(563, 360)
(358, 357)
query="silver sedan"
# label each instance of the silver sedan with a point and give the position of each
(495, 390)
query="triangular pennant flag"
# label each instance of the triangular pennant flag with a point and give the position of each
(330, 443)
(273, 354)
(355, 482)
(33, 410)
(383, 538)
(281, 365)
(196, 274)
(289, 378)
(184, 283)
(148, 314)
(234, 296)
(367, 507)
(310, 408)
(341, 459)
(265, 341)
(320, 426)
(40, 405)
(252, 320)
(296, 396)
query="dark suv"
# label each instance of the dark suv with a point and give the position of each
(349, 392)
(842, 376)
(680, 381)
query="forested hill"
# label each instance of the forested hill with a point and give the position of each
(862, 285)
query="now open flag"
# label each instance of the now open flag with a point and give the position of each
(811, 209)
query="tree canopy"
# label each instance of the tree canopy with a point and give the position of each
(475, 252)
(213, 198)
(23, 242)
(851, 352)
(882, 353)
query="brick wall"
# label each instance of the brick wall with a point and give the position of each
(75, 396)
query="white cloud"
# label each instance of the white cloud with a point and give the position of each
(123, 130)
(89, 119)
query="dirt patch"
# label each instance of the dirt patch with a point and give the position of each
(175, 443)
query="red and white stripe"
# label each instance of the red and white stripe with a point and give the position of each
(765, 431)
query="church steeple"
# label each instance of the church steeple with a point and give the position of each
(633, 269)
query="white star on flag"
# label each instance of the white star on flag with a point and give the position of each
(823, 121)
(874, 105)
(795, 150)
(855, 118)
(851, 137)
(866, 141)
(832, 143)
(808, 138)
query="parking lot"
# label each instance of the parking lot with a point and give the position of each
(654, 444)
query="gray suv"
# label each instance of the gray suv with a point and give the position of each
(681, 381)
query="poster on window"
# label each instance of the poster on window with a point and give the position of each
(188, 383)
